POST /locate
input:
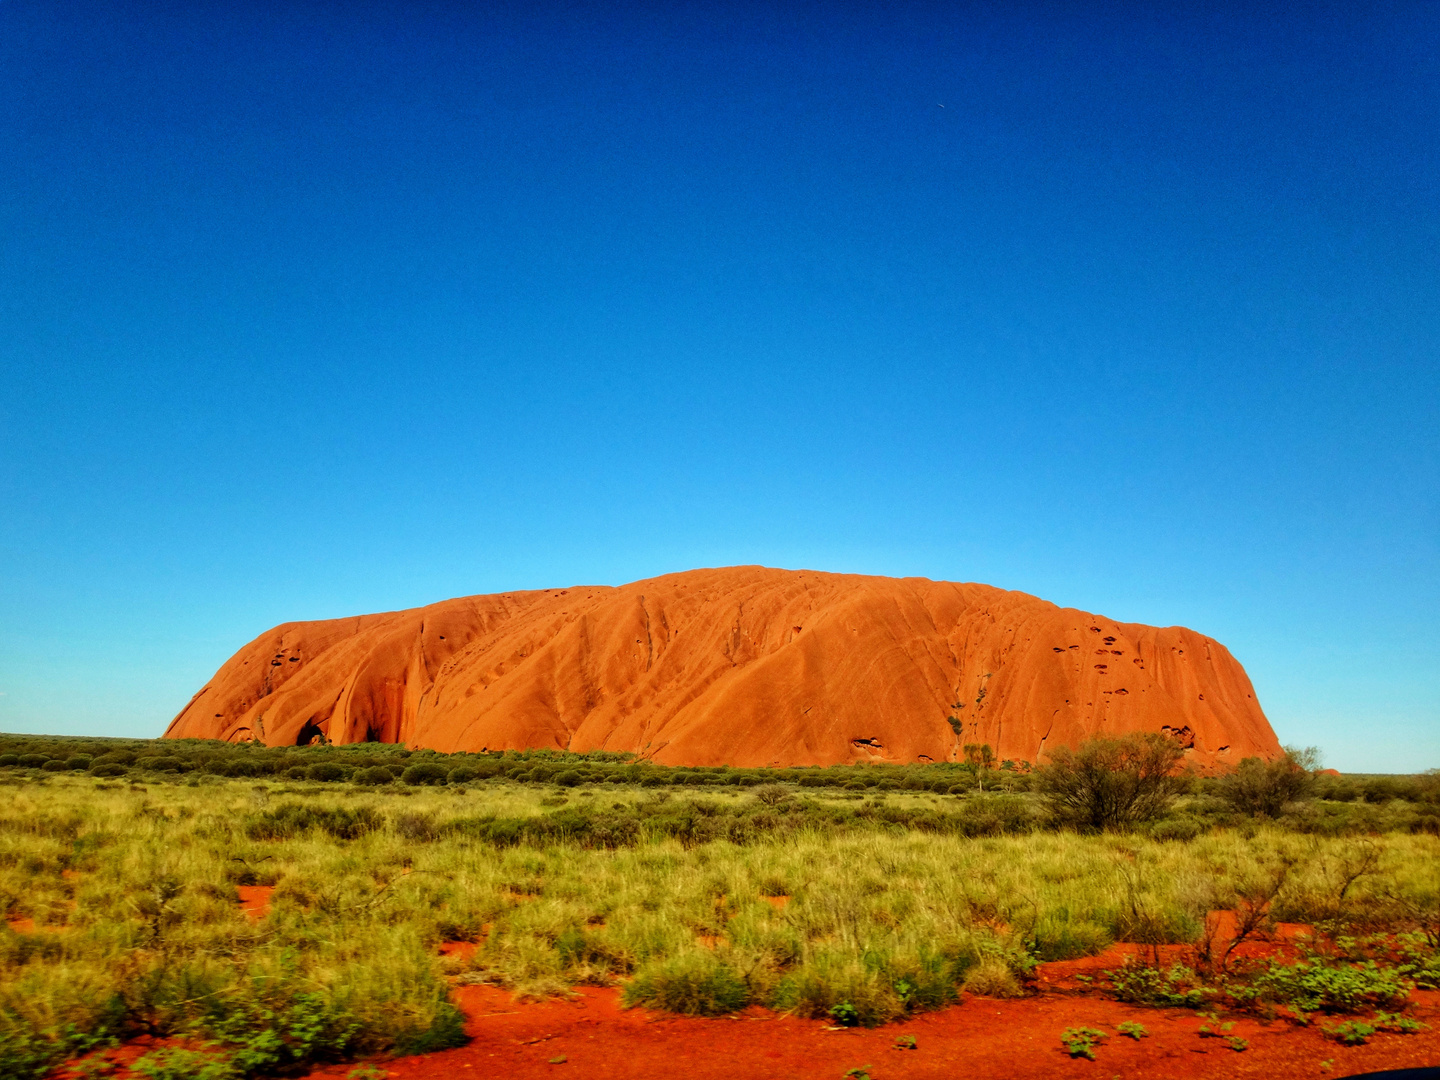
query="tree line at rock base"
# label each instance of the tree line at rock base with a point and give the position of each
(1134, 781)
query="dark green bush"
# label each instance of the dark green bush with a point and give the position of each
(32, 761)
(1182, 827)
(462, 774)
(295, 819)
(54, 765)
(160, 763)
(425, 773)
(376, 774)
(1263, 788)
(1108, 783)
(569, 778)
(325, 771)
(111, 768)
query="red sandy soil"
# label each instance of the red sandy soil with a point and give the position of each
(590, 1035)
(980, 1038)
(744, 666)
(255, 900)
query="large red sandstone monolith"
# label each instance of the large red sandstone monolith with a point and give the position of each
(744, 666)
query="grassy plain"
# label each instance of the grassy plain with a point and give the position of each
(862, 904)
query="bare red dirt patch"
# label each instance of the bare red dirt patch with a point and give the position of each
(255, 900)
(979, 1038)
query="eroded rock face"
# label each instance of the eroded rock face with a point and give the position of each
(742, 666)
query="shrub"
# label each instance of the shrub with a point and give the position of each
(1262, 788)
(695, 983)
(1318, 986)
(1183, 828)
(1107, 783)
(569, 778)
(32, 761)
(325, 771)
(54, 765)
(771, 794)
(78, 762)
(1062, 939)
(1177, 987)
(992, 977)
(295, 819)
(376, 774)
(425, 773)
(7, 760)
(160, 763)
(111, 768)
(1081, 1041)
(463, 774)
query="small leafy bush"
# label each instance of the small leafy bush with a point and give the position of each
(1081, 1041)
(1318, 986)
(1177, 987)
(1350, 1033)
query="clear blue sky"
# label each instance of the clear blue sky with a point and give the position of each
(315, 309)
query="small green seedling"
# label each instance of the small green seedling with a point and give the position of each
(93, 1069)
(1239, 1045)
(859, 1072)
(1131, 1028)
(559, 1059)
(1081, 1042)
(1350, 1033)
(367, 1072)
(905, 1042)
(1400, 1025)
(845, 1014)
(1219, 1031)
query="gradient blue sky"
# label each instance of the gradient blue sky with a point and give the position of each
(315, 309)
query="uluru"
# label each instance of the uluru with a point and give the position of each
(743, 666)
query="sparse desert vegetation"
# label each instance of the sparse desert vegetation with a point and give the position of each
(860, 894)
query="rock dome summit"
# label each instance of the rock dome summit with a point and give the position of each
(744, 666)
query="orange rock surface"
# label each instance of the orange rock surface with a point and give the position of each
(743, 666)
